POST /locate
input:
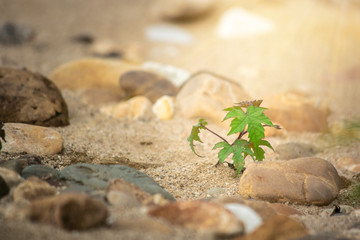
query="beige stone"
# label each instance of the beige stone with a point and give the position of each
(31, 139)
(11, 178)
(302, 181)
(138, 107)
(31, 189)
(205, 96)
(90, 73)
(164, 107)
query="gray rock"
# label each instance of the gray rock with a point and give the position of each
(19, 163)
(28, 97)
(40, 171)
(294, 150)
(98, 177)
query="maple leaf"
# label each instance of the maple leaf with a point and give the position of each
(240, 149)
(194, 135)
(259, 153)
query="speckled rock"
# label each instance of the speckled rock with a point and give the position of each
(31, 139)
(204, 96)
(302, 181)
(31, 189)
(28, 97)
(148, 84)
(200, 216)
(69, 211)
(138, 107)
(297, 112)
(90, 73)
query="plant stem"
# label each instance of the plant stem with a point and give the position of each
(215, 133)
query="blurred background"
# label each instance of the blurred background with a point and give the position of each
(269, 47)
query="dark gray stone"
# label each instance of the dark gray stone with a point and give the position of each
(19, 163)
(98, 177)
(40, 171)
(294, 150)
(4, 188)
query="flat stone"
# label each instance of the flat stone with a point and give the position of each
(90, 73)
(148, 84)
(40, 171)
(205, 96)
(31, 139)
(31, 189)
(97, 177)
(31, 98)
(293, 150)
(302, 181)
(69, 211)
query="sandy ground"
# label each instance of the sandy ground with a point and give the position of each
(313, 50)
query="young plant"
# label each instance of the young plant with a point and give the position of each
(248, 118)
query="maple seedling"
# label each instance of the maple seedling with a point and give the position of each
(248, 118)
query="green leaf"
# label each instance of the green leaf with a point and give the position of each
(240, 149)
(259, 153)
(194, 135)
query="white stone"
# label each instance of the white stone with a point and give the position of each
(245, 214)
(168, 33)
(164, 107)
(238, 23)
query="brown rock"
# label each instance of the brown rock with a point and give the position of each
(303, 181)
(296, 112)
(90, 73)
(31, 189)
(277, 227)
(201, 216)
(27, 97)
(205, 96)
(138, 107)
(146, 84)
(184, 9)
(71, 211)
(31, 139)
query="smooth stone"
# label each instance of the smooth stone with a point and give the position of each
(31, 139)
(277, 227)
(41, 171)
(120, 185)
(11, 178)
(205, 96)
(201, 216)
(246, 215)
(239, 23)
(70, 211)
(165, 33)
(122, 199)
(99, 176)
(31, 189)
(28, 97)
(148, 84)
(4, 188)
(19, 163)
(164, 108)
(138, 108)
(90, 73)
(297, 112)
(293, 150)
(183, 9)
(175, 75)
(301, 181)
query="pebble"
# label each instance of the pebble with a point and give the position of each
(138, 108)
(201, 216)
(166, 33)
(164, 107)
(240, 23)
(70, 211)
(148, 84)
(31, 139)
(28, 97)
(122, 199)
(205, 96)
(303, 181)
(11, 178)
(90, 73)
(41, 171)
(31, 189)
(120, 185)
